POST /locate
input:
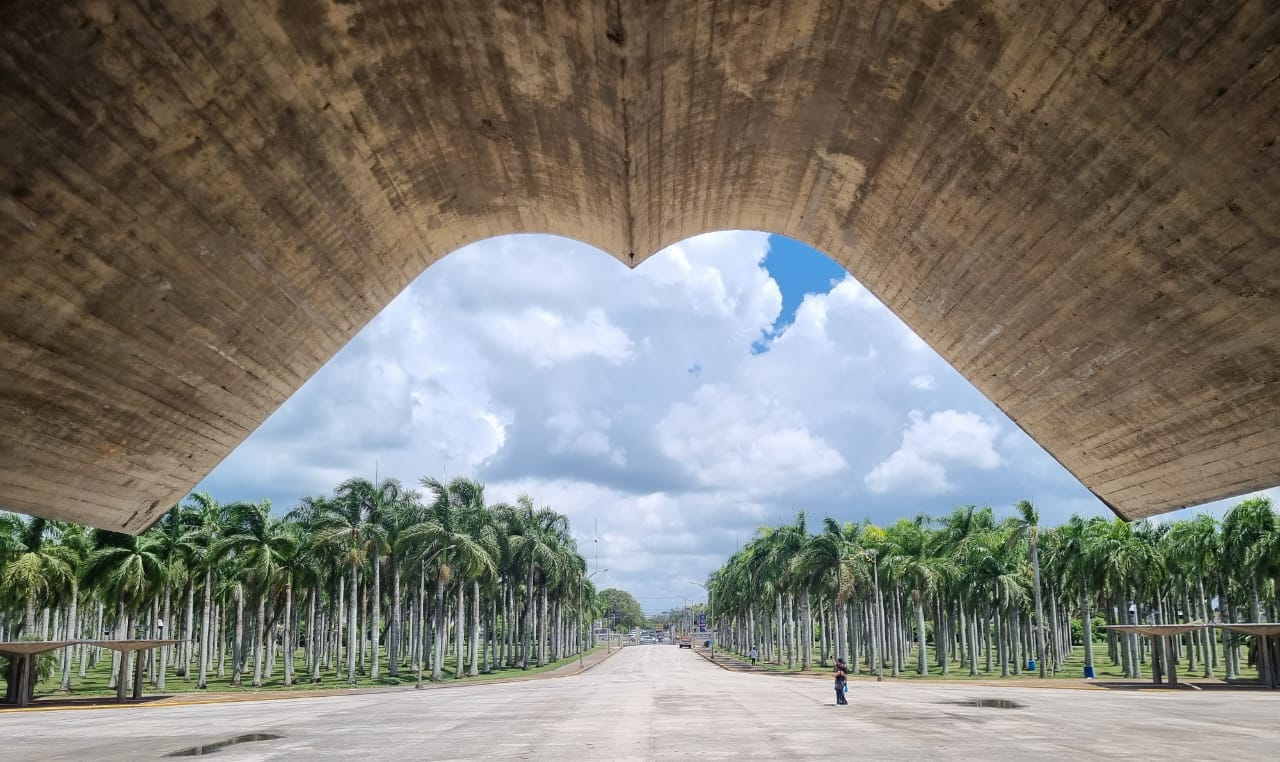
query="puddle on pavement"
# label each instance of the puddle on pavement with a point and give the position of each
(987, 703)
(210, 748)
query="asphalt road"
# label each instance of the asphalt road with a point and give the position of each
(660, 702)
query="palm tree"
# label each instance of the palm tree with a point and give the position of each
(442, 537)
(262, 548)
(538, 546)
(954, 540)
(783, 543)
(77, 543)
(315, 566)
(829, 560)
(176, 548)
(1248, 534)
(1250, 548)
(514, 563)
(910, 549)
(1194, 548)
(36, 564)
(204, 517)
(377, 505)
(347, 526)
(1130, 560)
(127, 570)
(404, 514)
(992, 569)
(1027, 524)
(1080, 566)
(481, 524)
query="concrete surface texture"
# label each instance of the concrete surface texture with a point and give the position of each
(659, 702)
(1077, 204)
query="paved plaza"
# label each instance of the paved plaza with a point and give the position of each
(659, 702)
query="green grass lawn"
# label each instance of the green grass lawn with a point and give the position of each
(1073, 669)
(97, 678)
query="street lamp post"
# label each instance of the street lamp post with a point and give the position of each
(710, 629)
(582, 647)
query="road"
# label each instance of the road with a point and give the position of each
(660, 702)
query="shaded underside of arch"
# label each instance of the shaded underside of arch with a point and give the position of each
(1077, 205)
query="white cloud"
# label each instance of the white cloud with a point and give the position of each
(929, 446)
(727, 439)
(583, 434)
(908, 471)
(546, 338)
(633, 399)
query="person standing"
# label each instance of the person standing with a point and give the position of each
(754, 654)
(842, 682)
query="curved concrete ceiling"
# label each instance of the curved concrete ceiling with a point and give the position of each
(1077, 204)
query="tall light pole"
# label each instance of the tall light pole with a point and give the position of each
(582, 648)
(710, 630)
(422, 620)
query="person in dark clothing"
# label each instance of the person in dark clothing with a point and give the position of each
(842, 680)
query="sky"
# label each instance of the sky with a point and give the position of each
(724, 383)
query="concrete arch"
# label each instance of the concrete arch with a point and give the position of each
(1078, 205)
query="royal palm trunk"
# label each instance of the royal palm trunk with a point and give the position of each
(475, 628)
(189, 627)
(438, 624)
(527, 627)
(375, 610)
(164, 650)
(71, 634)
(921, 667)
(459, 636)
(394, 650)
(259, 646)
(237, 662)
(352, 624)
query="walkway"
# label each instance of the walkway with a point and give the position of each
(660, 702)
(159, 698)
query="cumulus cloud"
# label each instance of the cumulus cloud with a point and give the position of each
(727, 439)
(931, 445)
(658, 404)
(546, 338)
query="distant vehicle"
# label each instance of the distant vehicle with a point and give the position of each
(646, 640)
(684, 641)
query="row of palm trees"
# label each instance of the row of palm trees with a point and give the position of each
(371, 580)
(978, 590)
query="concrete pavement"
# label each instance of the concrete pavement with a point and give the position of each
(659, 702)
(154, 698)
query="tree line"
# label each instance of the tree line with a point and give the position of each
(621, 610)
(967, 589)
(373, 579)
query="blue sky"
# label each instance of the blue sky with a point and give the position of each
(726, 382)
(798, 270)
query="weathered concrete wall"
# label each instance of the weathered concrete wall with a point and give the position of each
(1077, 205)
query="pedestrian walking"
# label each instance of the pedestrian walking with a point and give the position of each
(754, 655)
(842, 682)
